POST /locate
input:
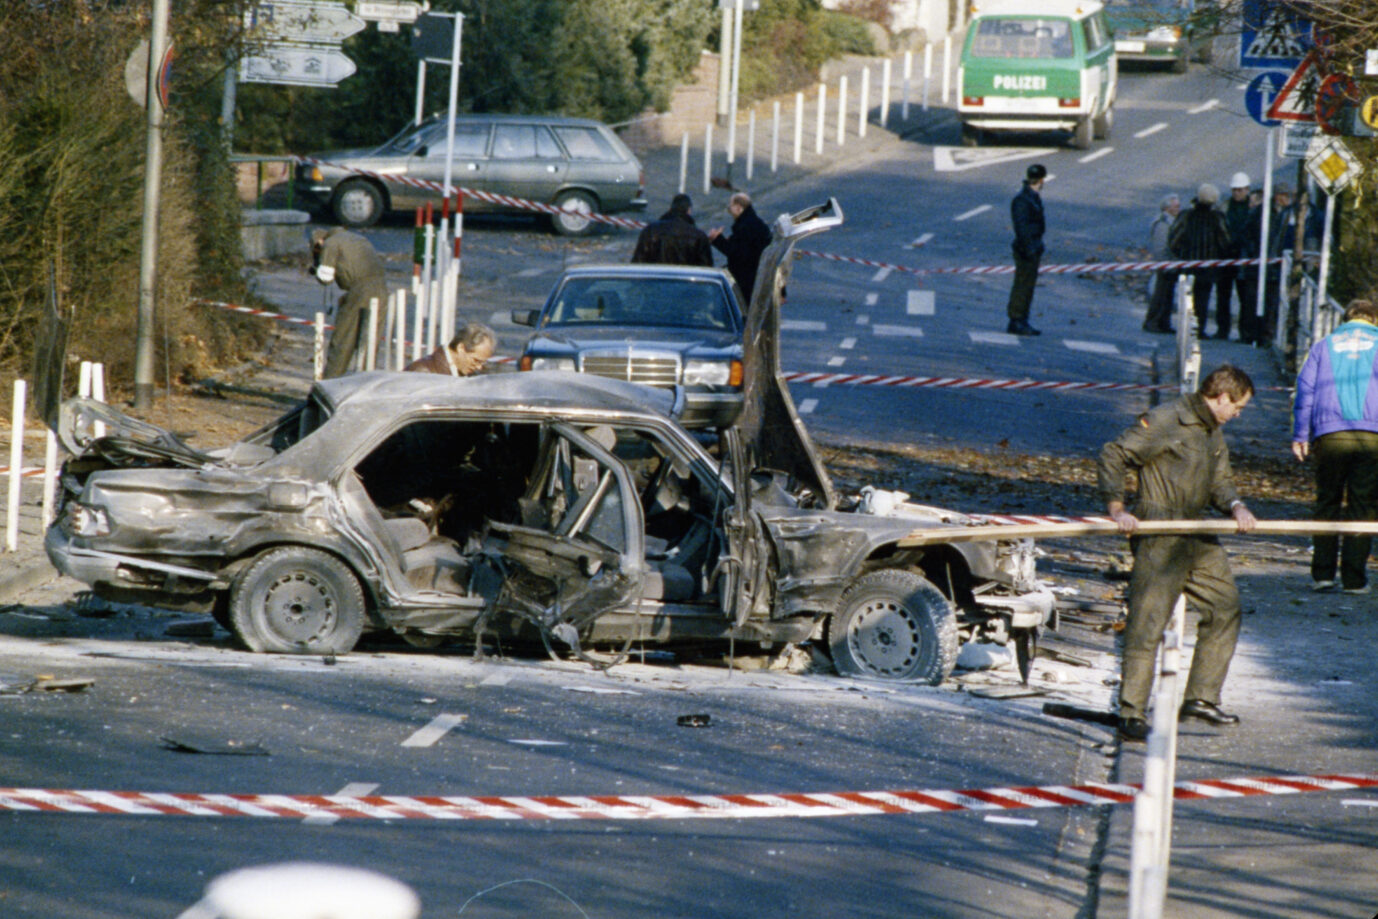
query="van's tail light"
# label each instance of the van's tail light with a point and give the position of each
(1069, 103)
(973, 100)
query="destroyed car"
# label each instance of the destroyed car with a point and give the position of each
(567, 507)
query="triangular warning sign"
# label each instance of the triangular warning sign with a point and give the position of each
(1276, 39)
(1288, 104)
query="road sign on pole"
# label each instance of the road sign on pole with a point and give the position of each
(301, 21)
(1332, 164)
(1294, 102)
(296, 65)
(1296, 138)
(1259, 96)
(1272, 36)
(388, 10)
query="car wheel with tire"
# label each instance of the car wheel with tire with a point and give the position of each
(971, 137)
(1180, 64)
(1081, 136)
(1103, 124)
(297, 600)
(893, 624)
(573, 223)
(357, 203)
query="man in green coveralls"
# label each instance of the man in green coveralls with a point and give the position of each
(1183, 464)
(349, 260)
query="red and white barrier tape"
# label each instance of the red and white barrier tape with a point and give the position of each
(644, 807)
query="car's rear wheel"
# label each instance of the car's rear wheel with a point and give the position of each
(971, 136)
(576, 204)
(296, 600)
(894, 625)
(1104, 124)
(357, 203)
(1081, 136)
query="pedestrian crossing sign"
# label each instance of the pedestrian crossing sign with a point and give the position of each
(1272, 36)
(1332, 164)
(1296, 100)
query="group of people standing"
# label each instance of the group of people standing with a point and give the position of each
(675, 239)
(1208, 229)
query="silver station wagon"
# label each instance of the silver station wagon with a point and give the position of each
(575, 164)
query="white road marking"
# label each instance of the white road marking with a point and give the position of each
(1152, 129)
(1203, 107)
(501, 317)
(1010, 821)
(1049, 177)
(920, 303)
(959, 159)
(981, 209)
(531, 272)
(847, 344)
(352, 790)
(1091, 157)
(872, 298)
(807, 406)
(921, 241)
(803, 325)
(895, 331)
(1360, 802)
(881, 275)
(440, 726)
(863, 319)
(836, 361)
(540, 743)
(994, 338)
(1094, 347)
(496, 679)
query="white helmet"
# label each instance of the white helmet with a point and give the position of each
(1239, 180)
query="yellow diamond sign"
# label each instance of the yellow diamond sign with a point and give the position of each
(1332, 164)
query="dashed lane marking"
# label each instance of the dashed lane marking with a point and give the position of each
(863, 319)
(1203, 107)
(980, 209)
(897, 331)
(496, 679)
(440, 726)
(1151, 129)
(836, 361)
(1093, 347)
(352, 790)
(881, 275)
(807, 406)
(872, 298)
(1092, 157)
(847, 344)
(994, 338)
(803, 325)
(649, 807)
(920, 303)
(531, 272)
(921, 241)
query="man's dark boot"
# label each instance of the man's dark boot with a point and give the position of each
(1021, 327)
(1206, 711)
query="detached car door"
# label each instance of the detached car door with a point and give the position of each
(580, 549)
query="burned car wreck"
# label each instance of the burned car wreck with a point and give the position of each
(567, 507)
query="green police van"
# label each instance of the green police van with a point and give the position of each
(1054, 69)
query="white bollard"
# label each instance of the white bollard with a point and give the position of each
(399, 350)
(98, 393)
(798, 127)
(707, 157)
(947, 67)
(822, 108)
(927, 72)
(16, 468)
(318, 347)
(842, 110)
(49, 477)
(385, 340)
(371, 349)
(683, 161)
(863, 113)
(418, 324)
(750, 143)
(884, 91)
(775, 135)
(84, 380)
(904, 92)
(731, 140)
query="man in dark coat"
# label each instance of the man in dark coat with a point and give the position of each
(1240, 280)
(1183, 466)
(743, 248)
(1026, 212)
(464, 356)
(350, 261)
(1200, 233)
(674, 239)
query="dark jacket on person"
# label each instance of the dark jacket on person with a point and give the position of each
(1026, 212)
(1200, 233)
(743, 249)
(1179, 452)
(673, 240)
(1237, 214)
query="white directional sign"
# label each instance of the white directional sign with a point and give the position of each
(301, 21)
(296, 65)
(388, 10)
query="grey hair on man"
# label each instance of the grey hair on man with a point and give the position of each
(1168, 201)
(472, 335)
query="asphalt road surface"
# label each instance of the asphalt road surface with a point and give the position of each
(391, 720)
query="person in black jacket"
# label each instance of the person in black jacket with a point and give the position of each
(674, 239)
(743, 248)
(1026, 212)
(1200, 233)
(1239, 279)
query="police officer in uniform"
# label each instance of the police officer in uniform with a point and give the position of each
(1183, 465)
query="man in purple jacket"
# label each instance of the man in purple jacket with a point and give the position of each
(1336, 417)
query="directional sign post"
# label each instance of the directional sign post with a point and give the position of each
(1258, 98)
(296, 65)
(299, 43)
(302, 21)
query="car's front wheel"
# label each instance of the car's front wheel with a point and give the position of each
(575, 205)
(894, 625)
(296, 600)
(357, 203)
